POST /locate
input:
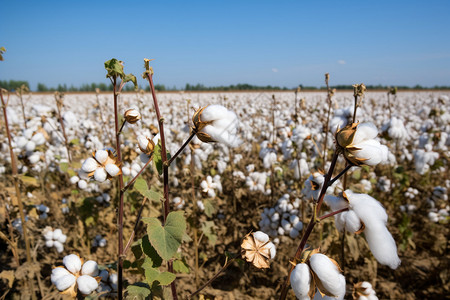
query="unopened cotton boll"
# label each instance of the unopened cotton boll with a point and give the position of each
(300, 281)
(86, 284)
(72, 263)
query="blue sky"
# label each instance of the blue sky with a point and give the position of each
(282, 43)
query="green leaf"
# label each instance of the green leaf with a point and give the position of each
(180, 266)
(140, 185)
(153, 274)
(210, 207)
(138, 291)
(157, 158)
(75, 142)
(64, 167)
(132, 78)
(150, 252)
(208, 230)
(136, 248)
(166, 240)
(114, 68)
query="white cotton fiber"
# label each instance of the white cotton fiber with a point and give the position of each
(300, 281)
(327, 272)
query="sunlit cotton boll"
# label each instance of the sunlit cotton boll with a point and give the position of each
(222, 125)
(86, 284)
(328, 274)
(72, 262)
(374, 217)
(300, 281)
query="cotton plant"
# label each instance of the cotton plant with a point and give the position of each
(424, 159)
(364, 291)
(99, 241)
(210, 185)
(102, 165)
(54, 238)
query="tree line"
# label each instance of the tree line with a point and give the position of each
(12, 85)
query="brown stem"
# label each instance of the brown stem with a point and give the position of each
(136, 224)
(165, 171)
(333, 213)
(121, 193)
(227, 264)
(61, 122)
(194, 132)
(129, 184)
(19, 198)
(312, 223)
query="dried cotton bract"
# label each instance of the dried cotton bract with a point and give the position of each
(357, 142)
(215, 123)
(257, 249)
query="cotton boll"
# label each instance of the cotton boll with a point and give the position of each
(286, 225)
(21, 142)
(57, 234)
(49, 243)
(38, 139)
(86, 284)
(100, 175)
(112, 169)
(58, 273)
(280, 231)
(327, 272)
(261, 236)
(72, 263)
(62, 239)
(89, 165)
(82, 184)
(59, 246)
(272, 249)
(74, 179)
(294, 233)
(90, 268)
(298, 226)
(300, 281)
(30, 146)
(64, 282)
(382, 245)
(341, 294)
(34, 158)
(101, 156)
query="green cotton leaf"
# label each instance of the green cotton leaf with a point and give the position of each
(139, 290)
(208, 230)
(210, 207)
(153, 274)
(64, 167)
(180, 266)
(114, 68)
(150, 252)
(157, 158)
(166, 240)
(141, 186)
(132, 78)
(136, 248)
(75, 141)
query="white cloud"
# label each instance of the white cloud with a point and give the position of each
(341, 62)
(275, 70)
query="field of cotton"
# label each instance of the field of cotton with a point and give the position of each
(262, 177)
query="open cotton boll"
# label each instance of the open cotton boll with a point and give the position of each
(57, 234)
(300, 281)
(57, 273)
(72, 263)
(30, 146)
(34, 158)
(341, 294)
(82, 184)
(49, 243)
(100, 175)
(365, 131)
(90, 268)
(101, 156)
(372, 152)
(64, 282)
(373, 215)
(222, 136)
(272, 249)
(327, 272)
(62, 238)
(261, 236)
(112, 169)
(89, 165)
(21, 142)
(87, 284)
(59, 246)
(38, 139)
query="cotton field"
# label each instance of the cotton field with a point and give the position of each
(233, 208)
